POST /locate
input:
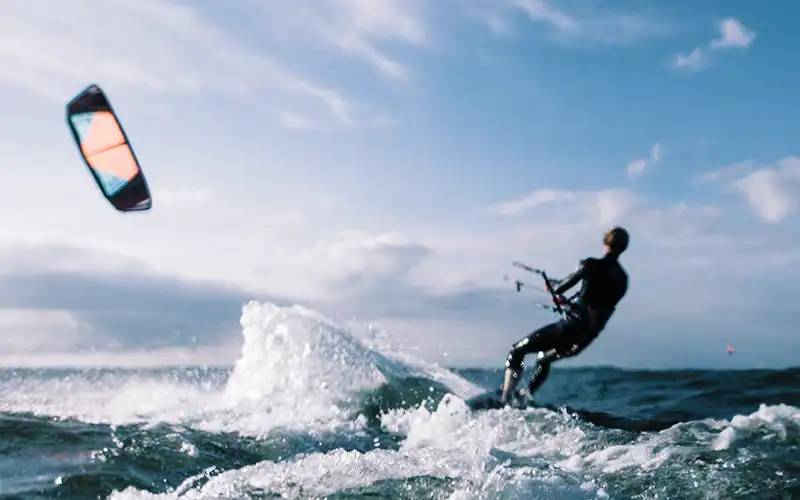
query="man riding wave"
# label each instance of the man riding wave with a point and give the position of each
(604, 284)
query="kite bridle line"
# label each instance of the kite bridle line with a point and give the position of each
(520, 284)
(556, 307)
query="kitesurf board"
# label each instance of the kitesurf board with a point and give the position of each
(489, 400)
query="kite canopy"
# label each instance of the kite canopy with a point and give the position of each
(107, 152)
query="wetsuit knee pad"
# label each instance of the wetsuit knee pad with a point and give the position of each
(515, 360)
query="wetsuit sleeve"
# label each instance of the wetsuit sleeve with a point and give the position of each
(571, 280)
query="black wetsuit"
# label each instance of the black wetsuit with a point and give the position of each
(605, 282)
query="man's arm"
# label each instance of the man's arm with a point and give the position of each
(571, 280)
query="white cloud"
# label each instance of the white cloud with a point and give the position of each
(433, 272)
(368, 22)
(638, 166)
(64, 298)
(772, 192)
(356, 27)
(35, 330)
(355, 259)
(693, 61)
(733, 35)
(540, 10)
(613, 205)
(725, 173)
(155, 47)
(297, 121)
(614, 28)
(595, 208)
(533, 200)
(49, 255)
(655, 153)
(582, 24)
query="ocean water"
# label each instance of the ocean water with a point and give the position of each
(315, 409)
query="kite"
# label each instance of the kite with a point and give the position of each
(107, 152)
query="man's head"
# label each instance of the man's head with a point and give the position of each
(616, 240)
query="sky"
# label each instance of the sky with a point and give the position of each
(387, 161)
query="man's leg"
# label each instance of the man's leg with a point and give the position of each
(540, 373)
(565, 349)
(543, 339)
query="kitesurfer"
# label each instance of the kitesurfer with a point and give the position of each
(604, 283)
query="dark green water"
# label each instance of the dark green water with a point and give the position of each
(185, 433)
